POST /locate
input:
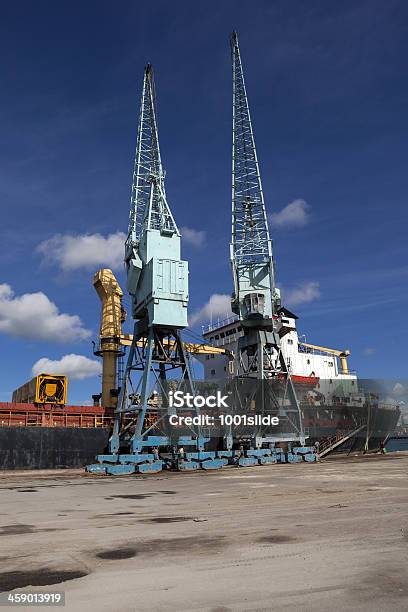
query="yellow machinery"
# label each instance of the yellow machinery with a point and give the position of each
(112, 317)
(190, 347)
(43, 389)
(341, 354)
(111, 339)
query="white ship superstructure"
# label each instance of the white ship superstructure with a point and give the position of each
(304, 360)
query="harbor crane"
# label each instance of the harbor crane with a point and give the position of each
(144, 438)
(157, 281)
(261, 375)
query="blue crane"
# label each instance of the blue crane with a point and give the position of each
(143, 437)
(157, 281)
(260, 370)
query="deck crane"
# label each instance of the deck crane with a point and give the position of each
(260, 368)
(330, 351)
(157, 281)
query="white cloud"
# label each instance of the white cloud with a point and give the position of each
(84, 251)
(295, 214)
(76, 367)
(302, 294)
(399, 390)
(192, 236)
(368, 351)
(218, 306)
(33, 316)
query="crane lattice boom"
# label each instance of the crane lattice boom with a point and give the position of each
(251, 246)
(262, 376)
(250, 233)
(149, 208)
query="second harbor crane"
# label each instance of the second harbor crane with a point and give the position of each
(262, 382)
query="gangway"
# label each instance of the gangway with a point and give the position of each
(338, 440)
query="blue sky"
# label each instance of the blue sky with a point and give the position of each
(328, 90)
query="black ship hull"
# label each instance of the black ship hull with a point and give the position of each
(377, 422)
(29, 448)
(74, 447)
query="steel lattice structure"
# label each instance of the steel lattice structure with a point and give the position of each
(148, 204)
(157, 280)
(144, 437)
(259, 356)
(250, 233)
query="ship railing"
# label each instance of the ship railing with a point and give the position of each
(220, 323)
(219, 342)
(28, 419)
(339, 435)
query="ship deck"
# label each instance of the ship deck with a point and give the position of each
(315, 537)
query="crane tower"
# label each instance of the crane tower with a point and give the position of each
(260, 368)
(157, 281)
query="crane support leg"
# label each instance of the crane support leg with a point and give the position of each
(143, 439)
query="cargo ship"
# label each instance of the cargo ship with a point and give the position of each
(38, 430)
(340, 412)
